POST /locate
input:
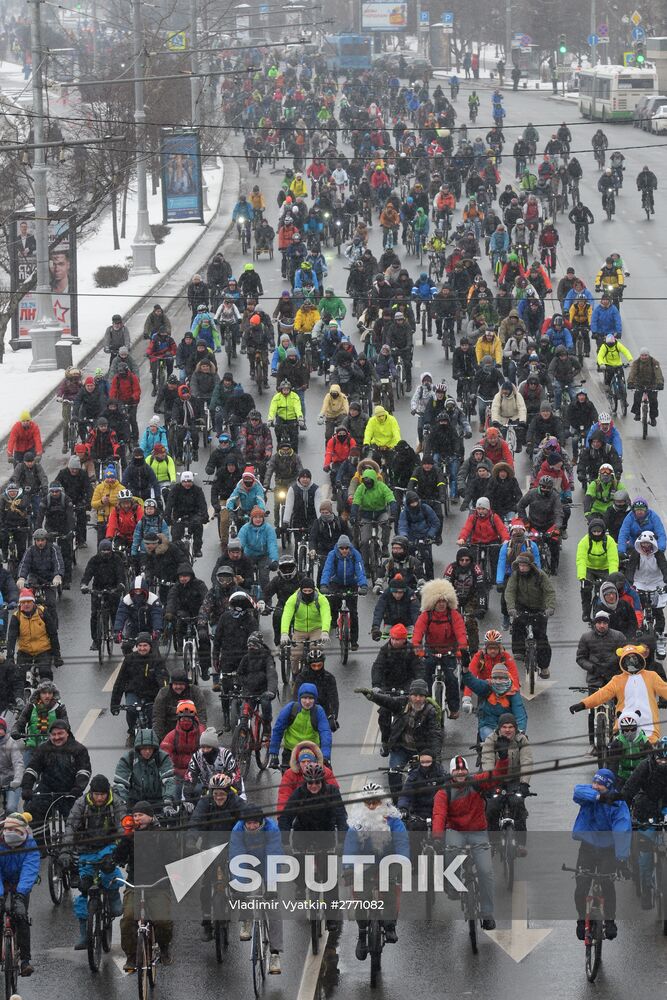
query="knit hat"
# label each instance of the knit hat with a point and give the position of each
(74, 462)
(29, 456)
(209, 738)
(500, 670)
(398, 631)
(418, 686)
(151, 536)
(234, 545)
(248, 473)
(507, 719)
(307, 583)
(326, 505)
(256, 512)
(397, 583)
(89, 380)
(343, 542)
(143, 807)
(525, 558)
(458, 763)
(100, 783)
(143, 637)
(26, 596)
(605, 777)
(59, 724)
(25, 415)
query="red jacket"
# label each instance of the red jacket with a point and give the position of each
(291, 780)
(180, 745)
(24, 439)
(337, 451)
(158, 349)
(483, 530)
(465, 808)
(125, 388)
(500, 453)
(442, 632)
(562, 479)
(481, 665)
(123, 522)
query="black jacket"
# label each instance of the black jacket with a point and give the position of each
(257, 673)
(395, 669)
(324, 535)
(64, 769)
(104, 572)
(231, 637)
(141, 675)
(392, 612)
(209, 818)
(186, 598)
(186, 503)
(308, 813)
(77, 487)
(419, 790)
(596, 654)
(411, 730)
(648, 778)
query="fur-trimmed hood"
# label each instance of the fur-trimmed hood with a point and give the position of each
(499, 467)
(438, 590)
(299, 748)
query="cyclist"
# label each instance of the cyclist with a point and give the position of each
(603, 828)
(105, 497)
(286, 414)
(647, 182)
(343, 576)
(640, 518)
(459, 816)
(301, 719)
(59, 766)
(375, 828)
(260, 544)
(542, 507)
(508, 743)
(32, 725)
(32, 638)
(19, 871)
(307, 613)
(146, 772)
(93, 825)
(597, 557)
(484, 527)
(645, 790)
(259, 835)
(257, 679)
(373, 502)
(237, 622)
(596, 654)
(440, 628)
(606, 187)
(496, 695)
(529, 591)
(646, 570)
(645, 376)
(600, 492)
(186, 505)
(15, 511)
(104, 571)
(42, 565)
(141, 675)
(629, 748)
(56, 515)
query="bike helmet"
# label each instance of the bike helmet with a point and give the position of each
(312, 771)
(124, 495)
(639, 503)
(255, 641)
(239, 599)
(15, 489)
(287, 567)
(546, 483)
(285, 385)
(40, 533)
(220, 780)
(150, 502)
(173, 380)
(628, 723)
(139, 586)
(610, 339)
(186, 708)
(440, 387)
(493, 636)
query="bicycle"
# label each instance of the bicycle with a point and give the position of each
(438, 687)
(647, 202)
(604, 718)
(226, 697)
(259, 950)
(260, 374)
(148, 951)
(343, 626)
(644, 414)
(9, 957)
(609, 205)
(617, 391)
(470, 900)
(58, 876)
(530, 655)
(100, 921)
(508, 846)
(143, 717)
(399, 378)
(594, 919)
(190, 642)
(104, 623)
(252, 735)
(243, 229)
(373, 554)
(600, 156)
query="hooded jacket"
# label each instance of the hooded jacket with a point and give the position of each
(153, 779)
(382, 429)
(259, 541)
(373, 500)
(602, 824)
(519, 756)
(632, 528)
(293, 778)
(636, 693)
(295, 724)
(491, 706)
(506, 408)
(533, 591)
(439, 631)
(647, 572)
(180, 744)
(422, 523)
(596, 654)
(343, 571)
(598, 557)
(503, 494)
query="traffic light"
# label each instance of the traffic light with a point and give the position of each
(640, 54)
(562, 45)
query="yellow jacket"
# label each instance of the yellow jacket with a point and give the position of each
(616, 280)
(382, 433)
(298, 188)
(634, 693)
(492, 349)
(257, 201)
(305, 320)
(102, 490)
(33, 638)
(334, 408)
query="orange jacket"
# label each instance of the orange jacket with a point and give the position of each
(23, 439)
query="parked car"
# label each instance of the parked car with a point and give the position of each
(658, 120)
(645, 107)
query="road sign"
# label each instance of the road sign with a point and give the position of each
(264, 8)
(629, 59)
(525, 41)
(448, 19)
(638, 34)
(636, 18)
(602, 41)
(423, 17)
(593, 39)
(603, 30)
(177, 41)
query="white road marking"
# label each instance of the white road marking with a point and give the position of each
(89, 721)
(371, 738)
(108, 687)
(311, 970)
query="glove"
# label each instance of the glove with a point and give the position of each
(302, 425)
(512, 615)
(118, 638)
(466, 705)
(320, 420)
(324, 637)
(57, 580)
(85, 589)
(285, 640)
(363, 590)
(311, 553)
(326, 468)
(465, 658)
(367, 693)
(578, 707)
(324, 589)
(115, 710)
(467, 435)
(524, 788)
(20, 583)
(188, 806)
(334, 725)
(376, 634)
(169, 617)
(170, 810)
(26, 794)
(19, 905)
(274, 763)
(58, 661)
(404, 814)
(16, 783)
(502, 746)
(548, 612)
(270, 695)
(499, 588)
(623, 869)
(273, 566)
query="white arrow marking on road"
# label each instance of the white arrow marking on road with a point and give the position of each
(371, 738)
(112, 679)
(519, 939)
(540, 688)
(185, 872)
(89, 721)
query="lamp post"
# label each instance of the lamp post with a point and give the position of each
(143, 246)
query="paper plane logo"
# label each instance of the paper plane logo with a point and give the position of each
(186, 872)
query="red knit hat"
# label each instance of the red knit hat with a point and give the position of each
(398, 631)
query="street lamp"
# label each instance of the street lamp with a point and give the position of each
(143, 246)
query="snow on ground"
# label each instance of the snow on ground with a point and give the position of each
(21, 389)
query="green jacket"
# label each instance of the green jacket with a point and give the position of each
(376, 499)
(624, 756)
(598, 556)
(306, 617)
(333, 305)
(136, 779)
(599, 496)
(532, 591)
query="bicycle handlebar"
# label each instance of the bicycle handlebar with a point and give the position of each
(151, 885)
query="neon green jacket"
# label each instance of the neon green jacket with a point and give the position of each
(306, 617)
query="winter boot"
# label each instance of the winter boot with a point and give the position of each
(82, 943)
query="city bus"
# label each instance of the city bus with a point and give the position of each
(345, 52)
(610, 93)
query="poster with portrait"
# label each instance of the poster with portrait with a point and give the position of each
(62, 273)
(181, 176)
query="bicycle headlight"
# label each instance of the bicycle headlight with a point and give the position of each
(241, 220)
(282, 494)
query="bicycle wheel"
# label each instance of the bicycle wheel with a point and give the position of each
(344, 639)
(601, 738)
(472, 931)
(375, 950)
(302, 560)
(10, 963)
(509, 857)
(188, 664)
(108, 635)
(262, 751)
(56, 882)
(429, 898)
(315, 934)
(423, 327)
(644, 421)
(143, 966)
(221, 937)
(106, 925)
(439, 699)
(94, 934)
(285, 668)
(241, 749)
(99, 636)
(257, 956)
(531, 668)
(594, 951)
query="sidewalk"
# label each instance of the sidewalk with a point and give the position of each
(188, 249)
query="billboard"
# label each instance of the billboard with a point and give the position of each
(62, 273)
(384, 16)
(181, 176)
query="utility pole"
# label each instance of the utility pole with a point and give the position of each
(46, 330)
(594, 28)
(143, 247)
(95, 48)
(194, 64)
(508, 34)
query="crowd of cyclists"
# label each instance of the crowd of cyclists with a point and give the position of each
(361, 152)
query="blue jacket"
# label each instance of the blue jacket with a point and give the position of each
(632, 528)
(499, 242)
(572, 295)
(260, 541)
(19, 869)
(146, 524)
(613, 437)
(266, 841)
(347, 572)
(148, 616)
(504, 569)
(254, 497)
(489, 713)
(423, 524)
(600, 824)
(359, 842)
(284, 720)
(424, 290)
(245, 209)
(149, 440)
(604, 321)
(297, 279)
(558, 337)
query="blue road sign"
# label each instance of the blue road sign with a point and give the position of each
(638, 34)
(448, 18)
(423, 17)
(593, 39)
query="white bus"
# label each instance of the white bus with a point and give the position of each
(610, 93)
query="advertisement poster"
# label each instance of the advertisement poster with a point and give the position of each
(62, 273)
(181, 177)
(384, 16)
